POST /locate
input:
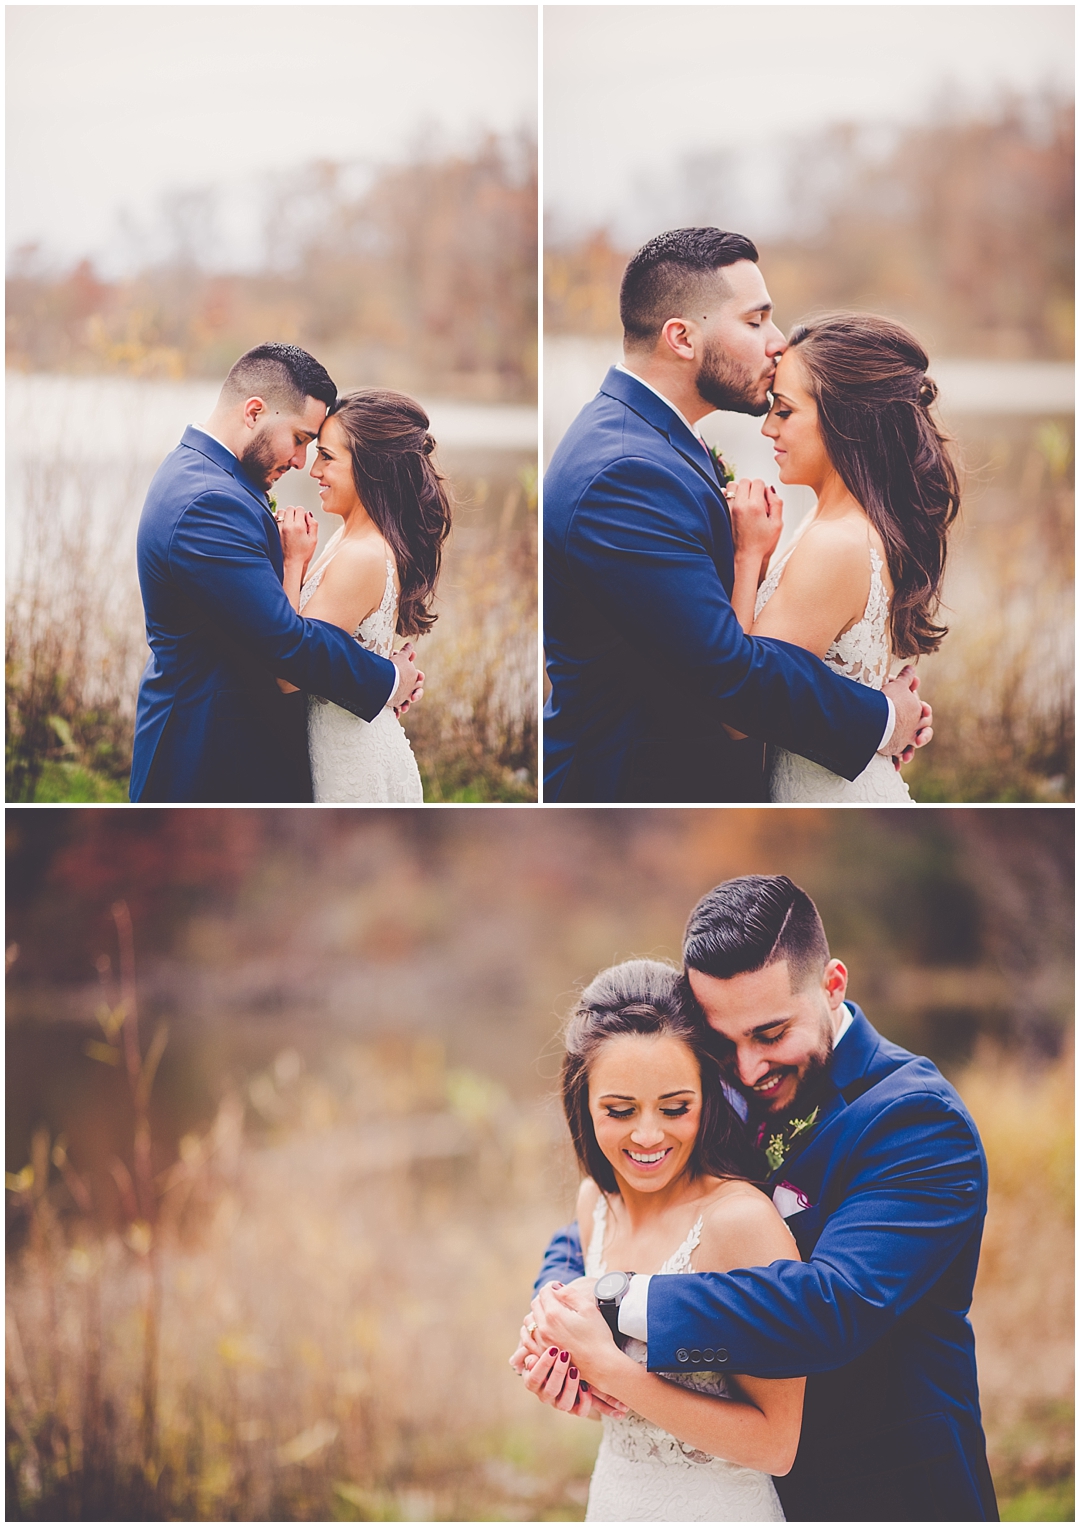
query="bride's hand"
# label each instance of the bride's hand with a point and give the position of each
(299, 534)
(554, 1379)
(569, 1317)
(757, 519)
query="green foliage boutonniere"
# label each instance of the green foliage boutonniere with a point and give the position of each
(779, 1145)
(725, 473)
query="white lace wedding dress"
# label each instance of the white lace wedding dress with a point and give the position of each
(643, 1473)
(862, 653)
(352, 759)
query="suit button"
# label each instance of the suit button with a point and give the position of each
(721, 1354)
(695, 1356)
(708, 1354)
(682, 1355)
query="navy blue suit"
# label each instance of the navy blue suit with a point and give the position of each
(211, 723)
(894, 1182)
(644, 653)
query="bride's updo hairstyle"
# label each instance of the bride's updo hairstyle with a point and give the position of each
(868, 378)
(401, 490)
(644, 997)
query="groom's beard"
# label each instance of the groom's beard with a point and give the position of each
(259, 461)
(807, 1094)
(728, 385)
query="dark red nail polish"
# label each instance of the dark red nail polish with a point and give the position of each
(563, 1356)
(553, 1351)
(584, 1384)
(573, 1373)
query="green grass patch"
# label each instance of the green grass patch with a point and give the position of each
(62, 781)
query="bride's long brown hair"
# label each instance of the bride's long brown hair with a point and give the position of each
(402, 491)
(868, 378)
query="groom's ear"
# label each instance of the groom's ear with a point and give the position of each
(254, 408)
(835, 981)
(679, 338)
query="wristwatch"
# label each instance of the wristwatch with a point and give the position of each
(610, 1292)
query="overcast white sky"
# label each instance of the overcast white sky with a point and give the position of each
(630, 90)
(110, 106)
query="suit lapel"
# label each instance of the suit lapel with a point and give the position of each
(649, 406)
(214, 451)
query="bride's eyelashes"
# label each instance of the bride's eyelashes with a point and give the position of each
(669, 1113)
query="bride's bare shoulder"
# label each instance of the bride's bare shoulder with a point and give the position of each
(587, 1200)
(741, 1228)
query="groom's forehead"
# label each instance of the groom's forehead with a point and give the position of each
(742, 1005)
(745, 287)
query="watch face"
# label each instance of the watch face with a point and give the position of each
(611, 1285)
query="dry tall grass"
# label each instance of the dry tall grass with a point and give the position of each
(1024, 1295)
(342, 1263)
(74, 636)
(1002, 684)
(76, 648)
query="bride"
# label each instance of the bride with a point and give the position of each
(656, 1141)
(861, 583)
(376, 577)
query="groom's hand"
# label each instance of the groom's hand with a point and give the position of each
(914, 718)
(410, 685)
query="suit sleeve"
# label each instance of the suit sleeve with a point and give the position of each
(644, 544)
(218, 561)
(915, 1197)
(563, 1261)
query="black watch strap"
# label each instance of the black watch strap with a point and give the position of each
(608, 1303)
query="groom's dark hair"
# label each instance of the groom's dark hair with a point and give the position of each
(663, 278)
(280, 374)
(754, 921)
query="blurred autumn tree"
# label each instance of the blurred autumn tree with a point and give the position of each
(961, 227)
(420, 276)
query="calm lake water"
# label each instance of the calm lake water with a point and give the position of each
(102, 439)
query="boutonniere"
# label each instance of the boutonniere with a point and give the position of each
(778, 1145)
(725, 473)
(272, 501)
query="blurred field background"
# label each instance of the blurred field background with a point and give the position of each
(283, 1151)
(930, 178)
(397, 243)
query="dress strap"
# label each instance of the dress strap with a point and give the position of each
(679, 1261)
(594, 1259)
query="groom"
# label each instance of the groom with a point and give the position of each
(877, 1168)
(211, 723)
(644, 653)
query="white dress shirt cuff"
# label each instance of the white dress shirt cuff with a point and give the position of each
(890, 726)
(634, 1310)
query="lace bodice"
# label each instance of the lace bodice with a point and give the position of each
(376, 631)
(643, 1473)
(862, 652)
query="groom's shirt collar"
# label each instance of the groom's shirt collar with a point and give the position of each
(845, 1024)
(676, 411)
(204, 431)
